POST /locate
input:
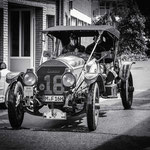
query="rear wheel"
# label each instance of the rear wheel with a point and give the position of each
(127, 92)
(15, 108)
(93, 107)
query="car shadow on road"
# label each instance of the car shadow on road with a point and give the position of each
(136, 138)
(142, 99)
(125, 142)
(73, 124)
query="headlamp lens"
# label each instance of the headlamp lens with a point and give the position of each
(68, 79)
(29, 78)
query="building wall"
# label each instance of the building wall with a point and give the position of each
(41, 16)
(84, 6)
(39, 28)
(1, 4)
(4, 31)
(1, 34)
(100, 7)
(76, 12)
(42, 9)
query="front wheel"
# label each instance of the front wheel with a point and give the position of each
(93, 107)
(127, 92)
(15, 108)
(6, 97)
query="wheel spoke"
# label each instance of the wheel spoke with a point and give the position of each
(18, 97)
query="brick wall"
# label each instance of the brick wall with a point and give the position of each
(40, 19)
(5, 31)
(1, 34)
(39, 27)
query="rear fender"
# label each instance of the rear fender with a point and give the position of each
(125, 70)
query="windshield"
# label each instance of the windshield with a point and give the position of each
(74, 45)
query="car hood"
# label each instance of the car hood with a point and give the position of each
(72, 61)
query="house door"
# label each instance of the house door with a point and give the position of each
(21, 40)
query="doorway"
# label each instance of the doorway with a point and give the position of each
(21, 40)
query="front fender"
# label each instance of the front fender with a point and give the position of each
(92, 78)
(12, 77)
(125, 70)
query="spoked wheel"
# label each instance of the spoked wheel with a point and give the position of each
(93, 107)
(15, 108)
(127, 92)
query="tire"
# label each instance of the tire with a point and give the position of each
(5, 104)
(15, 108)
(93, 107)
(6, 97)
(127, 92)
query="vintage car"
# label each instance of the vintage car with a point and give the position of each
(72, 82)
(3, 85)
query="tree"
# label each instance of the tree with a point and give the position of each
(130, 23)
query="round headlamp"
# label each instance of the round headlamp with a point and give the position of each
(29, 79)
(68, 79)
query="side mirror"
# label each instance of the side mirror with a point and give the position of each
(46, 54)
(2, 65)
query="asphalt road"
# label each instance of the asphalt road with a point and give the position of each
(118, 129)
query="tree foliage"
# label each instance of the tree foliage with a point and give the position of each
(131, 25)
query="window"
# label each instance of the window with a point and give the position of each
(20, 33)
(25, 33)
(73, 21)
(14, 21)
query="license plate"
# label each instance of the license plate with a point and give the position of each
(28, 91)
(53, 98)
(55, 114)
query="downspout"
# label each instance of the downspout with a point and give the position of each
(60, 12)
